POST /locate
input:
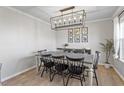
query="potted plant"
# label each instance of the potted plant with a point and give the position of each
(107, 48)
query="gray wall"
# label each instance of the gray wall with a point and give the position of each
(20, 36)
(97, 32)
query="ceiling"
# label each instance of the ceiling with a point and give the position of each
(45, 12)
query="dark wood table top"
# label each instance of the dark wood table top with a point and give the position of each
(88, 58)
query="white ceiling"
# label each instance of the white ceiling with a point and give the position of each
(45, 12)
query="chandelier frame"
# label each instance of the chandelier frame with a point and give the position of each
(69, 24)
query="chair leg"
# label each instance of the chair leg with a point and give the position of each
(42, 72)
(50, 75)
(81, 80)
(68, 79)
(84, 77)
(46, 70)
(96, 77)
(53, 76)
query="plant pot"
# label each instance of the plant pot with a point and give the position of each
(107, 65)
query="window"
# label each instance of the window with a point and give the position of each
(122, 37)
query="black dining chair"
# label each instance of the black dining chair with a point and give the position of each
(95, 65)
(39, 54)
(76, 69)
(60, 67)
(48, 64)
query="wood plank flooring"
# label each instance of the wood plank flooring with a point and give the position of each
(106, 77)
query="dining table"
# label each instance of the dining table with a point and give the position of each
(88, 60)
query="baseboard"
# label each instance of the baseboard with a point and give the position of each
(11, 76)
(122, 77)
(103, 64)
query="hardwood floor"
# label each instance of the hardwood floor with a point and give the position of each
(106, 77)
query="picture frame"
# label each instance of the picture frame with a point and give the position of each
(70, 35)
(84, 34)
(85, 38)
(76, 35)
(85, 30)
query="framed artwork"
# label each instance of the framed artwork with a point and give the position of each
(85, 30)
(84, 34)
(70, 35)
(77, 35)
(84, 38)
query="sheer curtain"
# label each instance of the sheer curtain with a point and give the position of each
(116, 37)
(122, 37)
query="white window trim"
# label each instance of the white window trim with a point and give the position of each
(120, 37)
(122, 60)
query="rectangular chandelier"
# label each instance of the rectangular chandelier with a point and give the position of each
(68, 20)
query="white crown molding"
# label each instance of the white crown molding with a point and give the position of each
(119, 9)
(98, 20)
(26, 14)
(40, 20)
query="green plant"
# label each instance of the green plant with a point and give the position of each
(107, 48)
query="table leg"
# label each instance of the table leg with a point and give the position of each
(37, 63)
(91, 76)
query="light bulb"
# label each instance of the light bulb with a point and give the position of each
(74, 18)
(64, 20)
(69, 19)
(81, 17)
(55, 22)
(60, 21)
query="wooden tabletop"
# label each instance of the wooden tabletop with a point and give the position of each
(87, 57)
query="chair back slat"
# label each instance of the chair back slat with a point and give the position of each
(75, 62)
(75, 65)
(58, 59)
(60, 63)
(46, 58)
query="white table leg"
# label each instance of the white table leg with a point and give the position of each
(91, 75)
(37, 62)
